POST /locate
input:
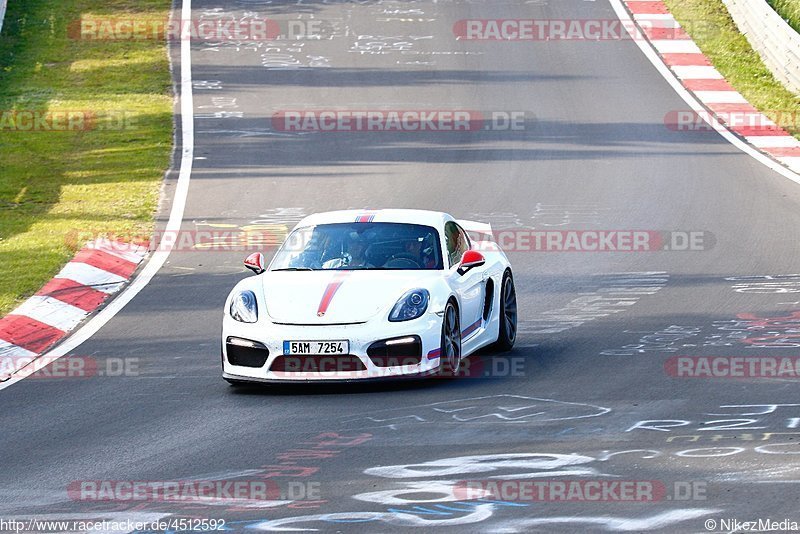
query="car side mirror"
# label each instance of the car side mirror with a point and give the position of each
(255, 262)
(470, 260)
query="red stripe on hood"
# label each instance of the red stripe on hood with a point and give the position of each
(330, 291)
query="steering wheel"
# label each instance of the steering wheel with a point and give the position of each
(403, 259)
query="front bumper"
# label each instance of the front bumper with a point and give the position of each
(360, 337)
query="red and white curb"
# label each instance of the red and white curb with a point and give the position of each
(95, 273)
(697, 75)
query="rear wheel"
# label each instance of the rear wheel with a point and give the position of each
(451, 341)
(508, 314)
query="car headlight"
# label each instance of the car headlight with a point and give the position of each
(244, 307)
(410, 306)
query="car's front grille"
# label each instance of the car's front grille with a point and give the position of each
(394, 352)
(246, 353)
(317, 364)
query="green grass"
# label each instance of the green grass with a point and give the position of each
(712, 28)
(98, 181)
(789, 10)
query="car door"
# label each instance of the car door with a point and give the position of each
(470, 286)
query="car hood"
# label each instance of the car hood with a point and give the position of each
(336, 297)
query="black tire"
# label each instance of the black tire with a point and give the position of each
(451, 341)
(508, 315)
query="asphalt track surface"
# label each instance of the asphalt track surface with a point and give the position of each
(594, 154)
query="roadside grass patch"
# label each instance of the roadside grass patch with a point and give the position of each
(99, 179)
(789, 10)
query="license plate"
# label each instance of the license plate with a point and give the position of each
(292, 348)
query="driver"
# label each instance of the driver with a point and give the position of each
(357, 249)
(353, 256)
(415, 248)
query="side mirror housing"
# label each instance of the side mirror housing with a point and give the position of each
(470, 260)
(255, 262)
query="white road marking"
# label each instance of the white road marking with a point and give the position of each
(651, 17)
(51, 312)
(676, 46)
(721, 97)
(9, 350)
(773, 141)
(126, 251)
(695, 72)
(173, 224)
(91, 276)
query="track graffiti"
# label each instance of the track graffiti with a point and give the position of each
(610, 294)
(504, 409)
(407, 508)
(745, 331)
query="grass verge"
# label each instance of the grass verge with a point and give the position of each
(789, 10)
(99, 176)
(713, 29)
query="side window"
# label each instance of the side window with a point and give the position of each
(457, 242)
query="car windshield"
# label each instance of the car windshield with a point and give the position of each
(351, 246)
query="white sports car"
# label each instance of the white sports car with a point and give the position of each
(354, 295)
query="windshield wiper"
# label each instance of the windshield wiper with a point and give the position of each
(294, 269)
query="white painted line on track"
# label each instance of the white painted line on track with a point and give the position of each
(693, 103)
(173, 224)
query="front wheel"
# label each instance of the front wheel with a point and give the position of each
(451, 341)
(508, 315)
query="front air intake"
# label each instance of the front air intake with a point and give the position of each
(396, 352)
(246, 353)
